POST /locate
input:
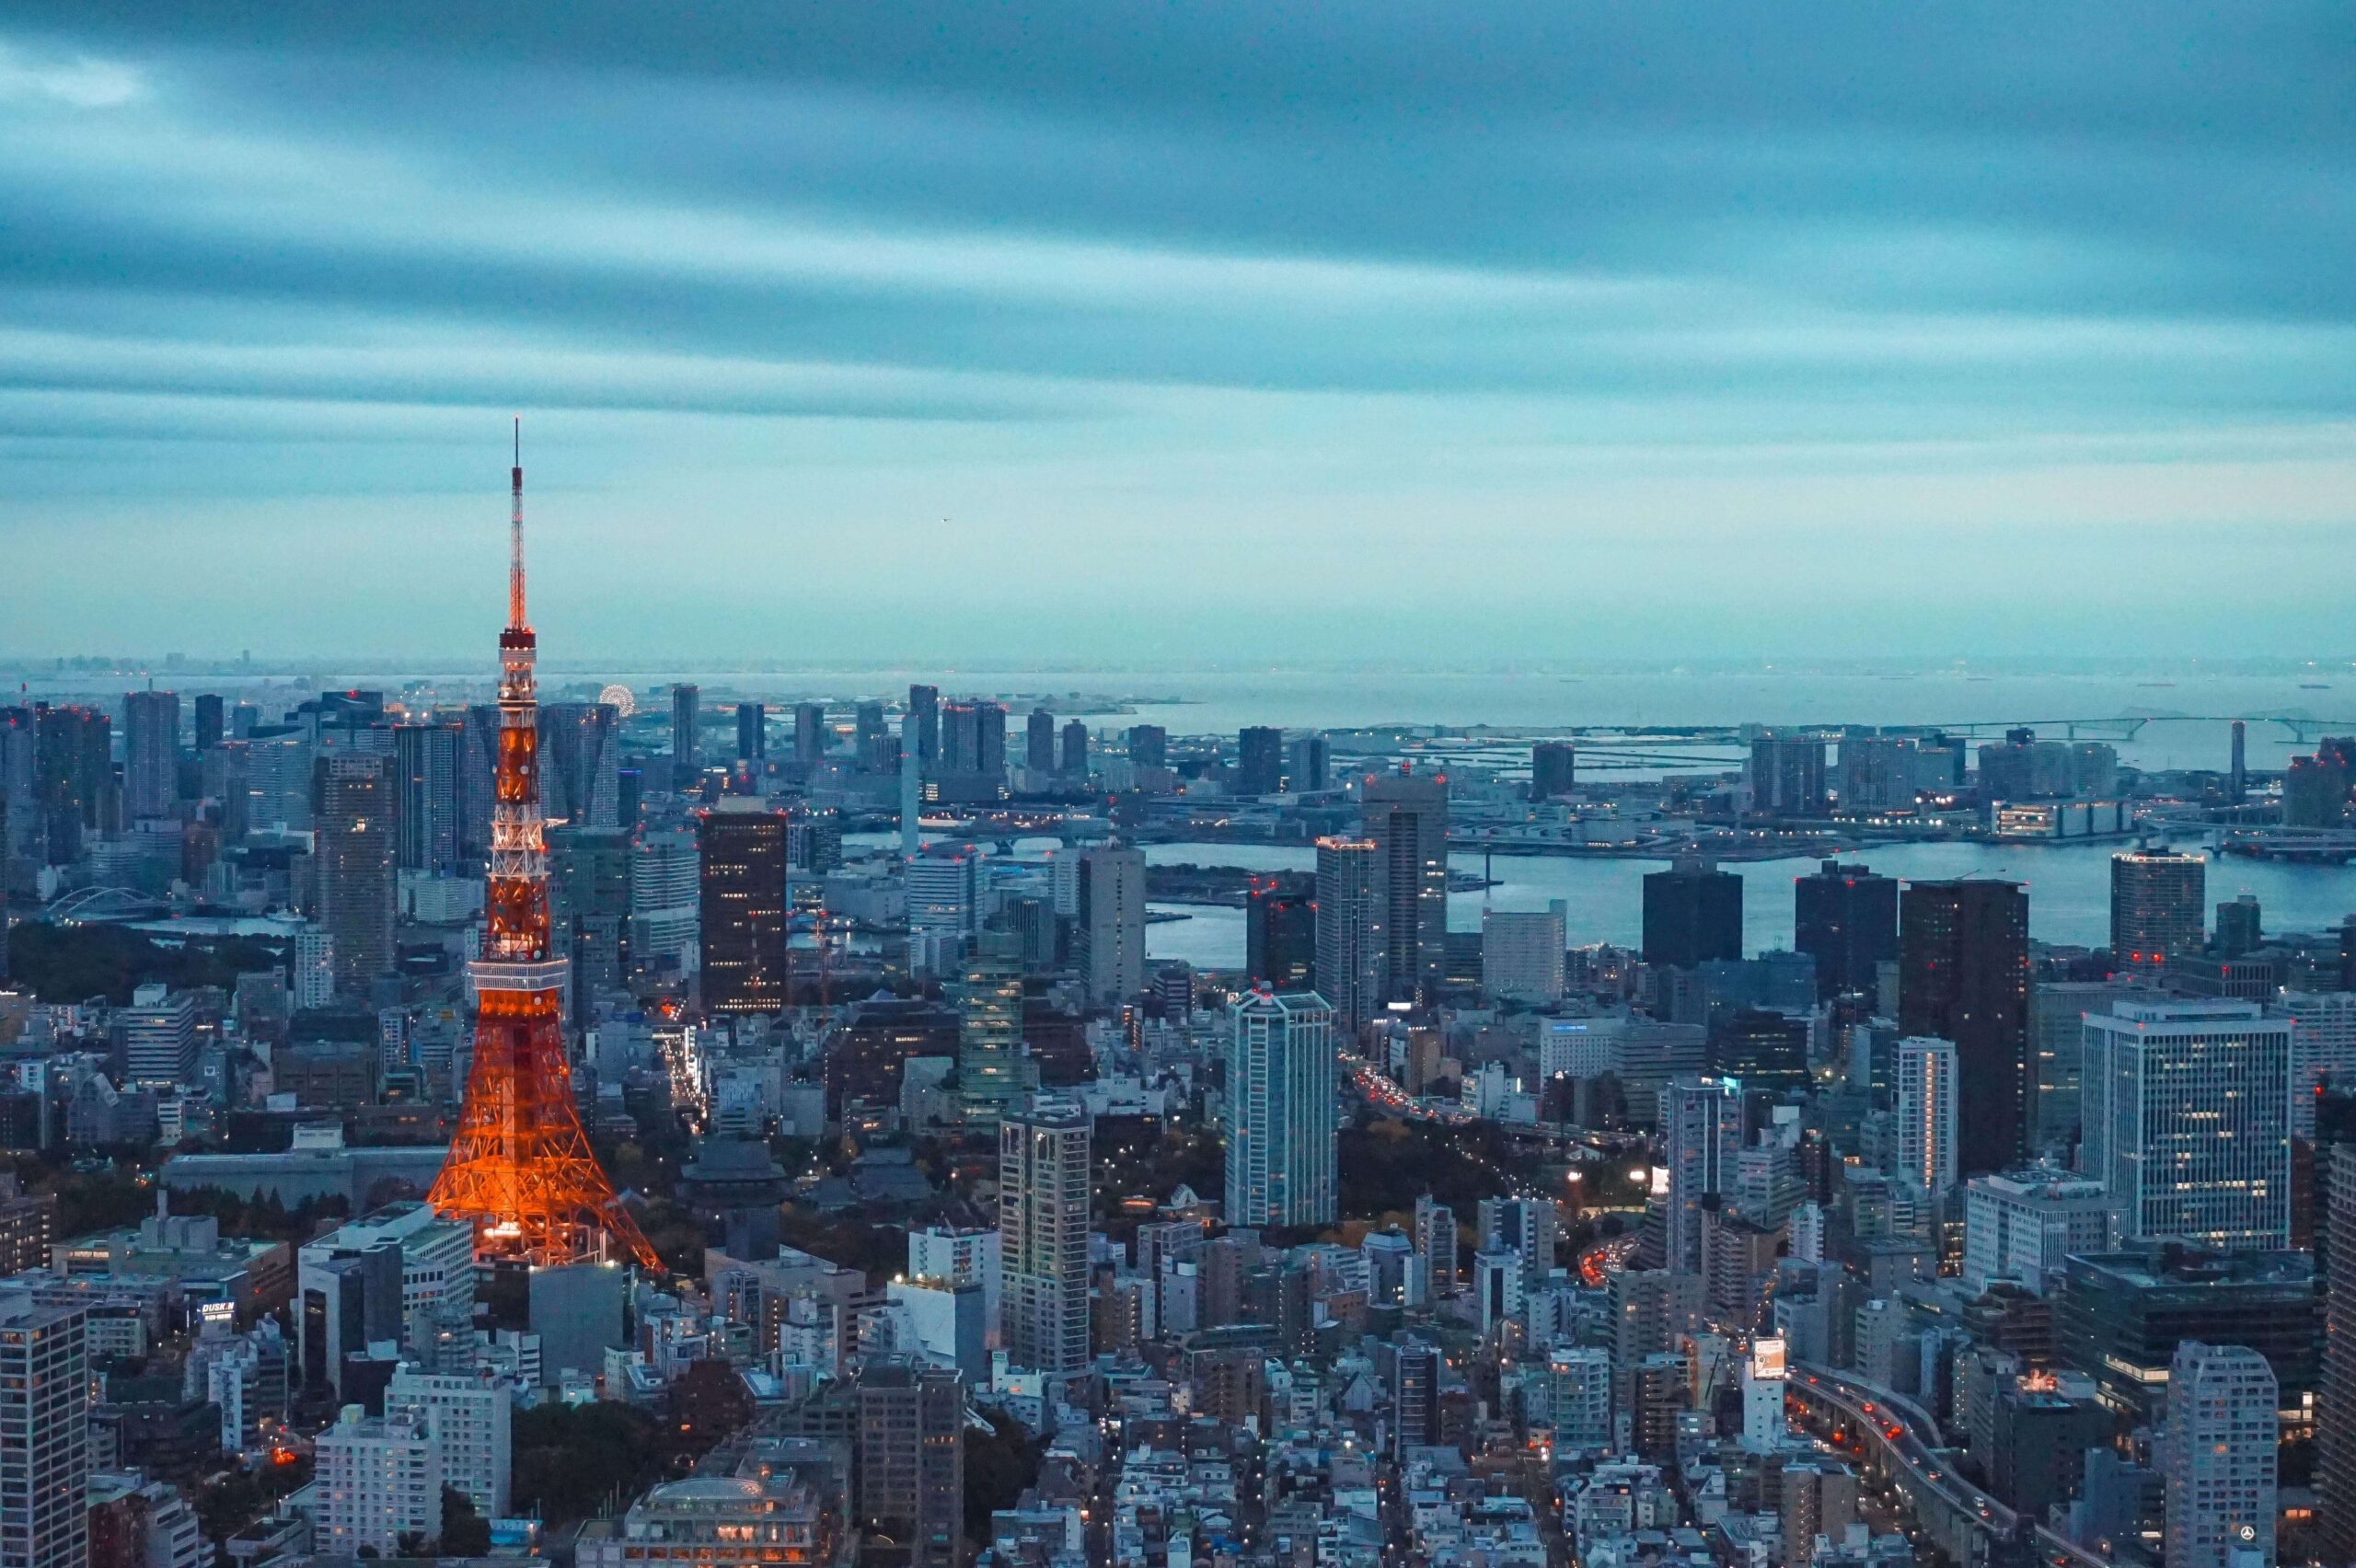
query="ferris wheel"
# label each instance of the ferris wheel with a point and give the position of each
(619, 699)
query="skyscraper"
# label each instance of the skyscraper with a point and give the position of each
(924, 711)
(1074, 762)
(1039, 742)
(1522, 953)
(1282, 1109)
(1309, 763)
(425, 798)
(1148, 745)
(1553, 769)
(1692, 914)
(1259, 760)
(741, 842)
(1845, 917)
(355, 866)
(1279, 936)
(1435, 1246)
(1925, 1082)
(209, 730)
(989, 1000)
(1043, 1217)
(2219, 1462)
(1701, 1122)
(581, 764)
(44, 1432)
(1350, 944)
(1787, 776)
(1963, 975)
(911, 1453)
(752, 732)
(2336, 1413)
(687, 745)
(151, 753)
(810, 735)
(1110, 930)
(2158, 899)
(2186, 1107)
(1405, 815)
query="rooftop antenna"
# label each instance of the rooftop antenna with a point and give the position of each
(515, 538)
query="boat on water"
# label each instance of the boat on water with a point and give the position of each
(2315, 686)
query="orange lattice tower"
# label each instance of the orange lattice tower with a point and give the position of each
(521, 1167)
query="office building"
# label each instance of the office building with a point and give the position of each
(1692, 914)
(2025, 1226)
(1553, 769)
(1109, 931)
(379, 1479)
(1042, 1206)
(911, 1459)
(2336, 1406)
(207, 720)
(2240, 926)
(752, 732)
(2120, 1316)
(44, 1434)
(1524, 1228)
(1845, 917)
(589, 909)
(160, 1036)
(1259, 760)
(1701, 1122)
(354, 850)
(687, 743)
(419, 1281)
(1309, 763)
(2219, 1461)
(1522, 953)
(2158, 899)
(944, 892)
(763, 1515)
(1787, 776)
(1925, 1116)
(580, 758)
(1283, 1112)
(741, 910)
(2057, 1042)
(2323, 1050)
(1405, 815)
(151, 754)
(1351, 944)
(924, 713)
(1963, 975)
(1150, 745)
(468, 1417)
(2187, 1111)
(1073, 762)
(1279, 936)
(1039, 742)
(989, 1000)
(666, 899)
(425, 798)
(1436, 1247)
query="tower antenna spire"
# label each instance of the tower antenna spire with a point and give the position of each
(515, 538)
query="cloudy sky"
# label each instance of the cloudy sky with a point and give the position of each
(1094, 329)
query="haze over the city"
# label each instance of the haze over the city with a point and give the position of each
(1087, 331)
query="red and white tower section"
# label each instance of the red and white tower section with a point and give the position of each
(521, 1167)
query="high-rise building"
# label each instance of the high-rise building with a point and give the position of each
(1963, 975)
(745, 967)
(1436, 1247)
(1350, 940)
(1279, 938)
(1417, 1396)
(2323, 1050)
(44, 1434)
(379, 1479)
(1043, 1218)
(1282, 1109)
(2057, 1041)
(1701, 1121)
(1259, 760)
(1787, 776)
(810, 735)
(1522, 953)
(160, 1036)
(752, 732)
(1525, 1227)
(911, 1459)
(1553, 769)
(1148, 745)
(2218, 1465)
(943, 891)
(868, 731)
(666, 899)
(989, 1000)
(1925, 1119)
(1039, 742)
(580, 756)
(1845, 917)
(355, 866)
(2158, 899)
(151, 753)
(1692, 914)
(2335, 1414)
(2025, 1226)
(209, 730)
(2186, 1121)
(469, 1416)
(1405, 816)
(425, 798)
(1074, 761)
(686, 740)
(589, 893)
(1109, 934)
(924, 710)
(1309, 763)
(2240, 926)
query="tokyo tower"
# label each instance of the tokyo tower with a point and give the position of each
(521, 1167)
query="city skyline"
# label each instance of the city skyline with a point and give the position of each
(938, 337)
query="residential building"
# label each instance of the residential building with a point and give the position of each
(1282, 1108)
(1109, 935)
(1351, 943)
(1845, 917)
(1926, 1117)
(470, 1418)
(2158, 899)
(379, 1479)
(1963, 975)
(355, 850)
(1043, 1211)
(44, 1419)
(1405, 816)
(1522, 953)
(2218, 1464)
(1692, 913)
